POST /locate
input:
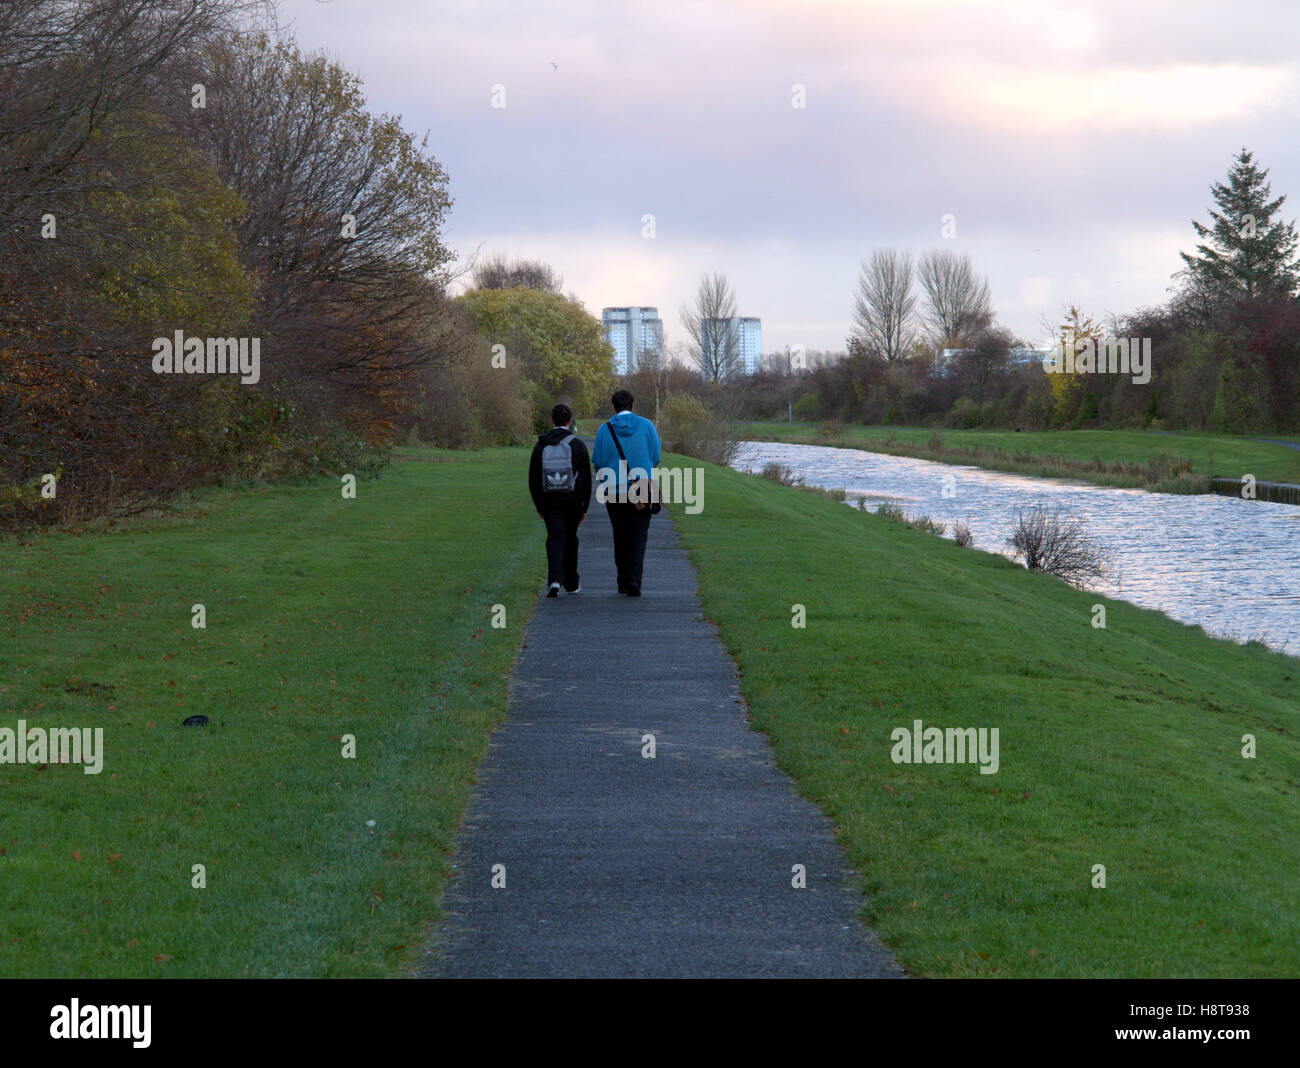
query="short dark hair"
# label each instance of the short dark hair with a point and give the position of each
(560, 415)
(622, 400)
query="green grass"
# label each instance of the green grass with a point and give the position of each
(1137, 458)
(325, 617)
(1119, 747)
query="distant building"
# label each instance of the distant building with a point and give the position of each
(1024, 356)
(749, 344)
(1020, 356)
(775, 362)
(632, 331)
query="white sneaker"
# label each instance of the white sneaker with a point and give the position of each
(572, 592)
(554, 591)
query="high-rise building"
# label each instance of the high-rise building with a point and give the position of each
(750, 360)
(632, 332)
(749, 343)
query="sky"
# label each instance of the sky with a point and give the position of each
(1071, 143)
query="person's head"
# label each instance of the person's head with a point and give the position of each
(622, 401)
(561, 415)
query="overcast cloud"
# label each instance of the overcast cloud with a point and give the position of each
(1074, 143)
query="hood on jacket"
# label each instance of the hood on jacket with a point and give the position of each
(624, 420)
(553, 436)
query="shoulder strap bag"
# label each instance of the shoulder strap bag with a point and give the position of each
(653, 504)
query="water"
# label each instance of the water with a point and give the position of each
(1229, 566)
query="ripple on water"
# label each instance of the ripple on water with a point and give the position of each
(1221, 563)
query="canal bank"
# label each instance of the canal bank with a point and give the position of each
(1159, 461)
(1250, 490)
(1220, 562)
(1125, 833)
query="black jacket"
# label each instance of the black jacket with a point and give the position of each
(581, 494)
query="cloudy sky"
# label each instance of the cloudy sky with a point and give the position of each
(1073, 142)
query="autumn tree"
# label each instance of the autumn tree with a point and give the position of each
(1069, 386)
(557, 343)
(108, 220)
(342, 230)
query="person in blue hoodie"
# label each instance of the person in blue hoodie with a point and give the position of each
(639, 441)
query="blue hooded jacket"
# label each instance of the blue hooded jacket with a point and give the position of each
(640, 443)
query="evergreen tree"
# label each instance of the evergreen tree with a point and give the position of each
(1247, 252)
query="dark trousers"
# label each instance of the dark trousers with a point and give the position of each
(562, 543)
(631, 527)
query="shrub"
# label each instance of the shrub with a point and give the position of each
(1058, 545)
(828, 430)
(692, 428)
(962, 536)
(780, 473)
(808, 408)
(927, 525)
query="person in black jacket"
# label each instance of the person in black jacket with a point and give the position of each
(563, 502)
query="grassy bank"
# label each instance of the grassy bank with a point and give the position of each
(1118, 746)
(325, 617)
(1162, 462)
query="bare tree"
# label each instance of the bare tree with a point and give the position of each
(712, 328)
(1060, 546)
(885, 304)
(499, 273)
(651, 364)
(958, 303)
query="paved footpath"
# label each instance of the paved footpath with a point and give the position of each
(621, 866)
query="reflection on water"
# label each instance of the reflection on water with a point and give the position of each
(1227, 565)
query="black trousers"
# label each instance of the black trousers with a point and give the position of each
(631, 527)
(562, 543)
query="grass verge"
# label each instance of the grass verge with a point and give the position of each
(1119, 747)
(325, 617)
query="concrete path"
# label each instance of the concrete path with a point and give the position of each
(621, 866)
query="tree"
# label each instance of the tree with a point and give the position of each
(958, 303)
(1247, 252)
(140, 241)
(651, 365)
(985, 357)
(499, 273)
(553, 339)
(1068, 386)
(884, 306)
(343, 229)
(712, 329)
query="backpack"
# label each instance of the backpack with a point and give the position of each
(558, 475)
